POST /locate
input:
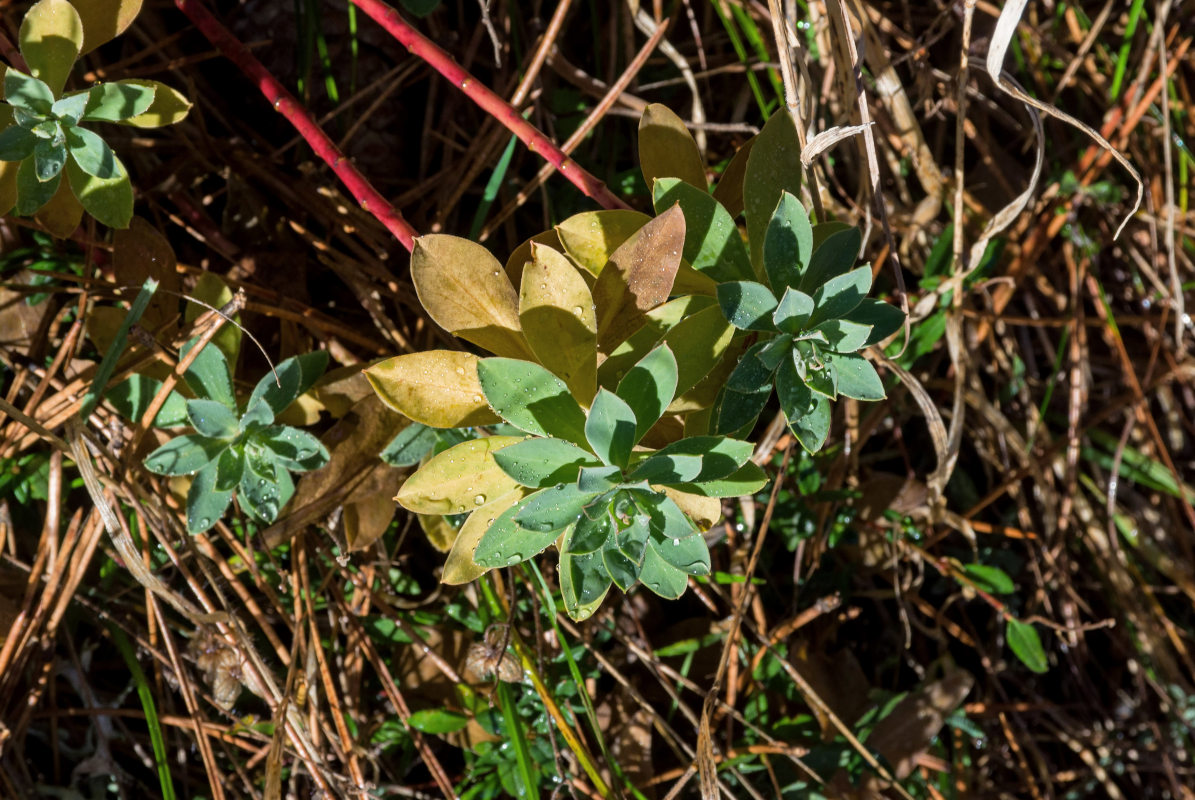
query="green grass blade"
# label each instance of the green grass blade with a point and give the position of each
(92, 399)
(1126, 45)
(145, 694)
(491, 188)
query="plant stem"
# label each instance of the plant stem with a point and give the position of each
(284, 103)
(439, 60)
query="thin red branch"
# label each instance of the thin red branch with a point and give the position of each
(297, 115)
(439, 60)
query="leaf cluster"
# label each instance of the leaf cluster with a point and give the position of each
(235, 449)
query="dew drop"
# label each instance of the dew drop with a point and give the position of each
(578, 310)
(460, 370)
(478, 499)
(512, 560)
(205, 521)
(476, 398)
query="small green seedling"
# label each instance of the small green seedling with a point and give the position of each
(231, 451)
(615, 512)
(42, 130)
(812, 320)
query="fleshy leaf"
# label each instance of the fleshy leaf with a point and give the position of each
(554, 508)
(532, 399)
(438, 388)
(205, 504)
(832, 257)
(460, 479)
(169, 106)
(51, 35)
(132, 397)
(599, 478)
(793, 312)
(638, 278)
(108, 200)
(747, 305)
(62, 214)
(538, 463)
(747, 479)
(292, 448)
(70, 108)
(590, 534)
(660, 577)
(505, 543)
(49, 158)
(584, 583)
(410, 445)
(557, 314)
(788, 244)
(104, 20)
(91, 153)
(667, 469)
(230, 467)
(667, 149)
(16, 143)
(212, 419)
(648, 388)
(208, 375)
(27, 93)
(843, 336)
(883, 318)
(118, 101)
(729, 191)
(698, 343)
(689, 554)
(808, 413)
(622, 570)
(294, 376)
(841, 295)
(265, 488)
(719, 455)
(466, 291)
(33, 193)
(857, 378)
(590, 238)
(773, 168)
(184, 455)
(713, 245)
(459, 567)
(610, 428)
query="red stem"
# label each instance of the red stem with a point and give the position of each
(284, 103)
(495, 106)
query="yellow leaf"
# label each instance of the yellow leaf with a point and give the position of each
(438, 388)
(590, 238)
(522, 254)
(104, 20)
(556, 311)
(51, 35)
(638, 278)
(62, 214)
(459, 567)
(440, 535)
(691, 281)
(705, 392)
(667, 149)
(729, 191)
(462, 478)
(698, 342)
(466, 291)
(168, 107)
(658, 322)
(705, 511)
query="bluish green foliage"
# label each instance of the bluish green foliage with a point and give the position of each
(602, 499)
(812, 319)
(235, 450)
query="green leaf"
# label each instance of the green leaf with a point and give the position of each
(109, 200)
(667, 149)
(648, 388)
(257, 415)
(736, 410)
(698, 342)
(506, 543)
(212, 419)
(553, 509)
(294, 449)
(808, 414)
(32, 192)
(184, 455)
(631, 540)
(599, 479)
(584, 583)
(793, 312)
(747, 305)
(857, 378)
(776, 350)
(295, 375)
(747, 479)
(532, 399)
(788, 244)
(660, 577)
(668, 521)
(208, 374)
(729, 191)
(27, 93)
(205, 503)
(833, 257)
(131, 398)
(409, 446)
(589, 534)
(667, 469)
(843, 336)
(990, 579)
(610, 428)
(750, 374)
(719, 455)
(884, 319)
(117, 101)
(623, 571)
(773, 168)
(713, 244)
(92, 154)
(1026, 645)
(168, 107)
(841, 294)
(689, 553)
(69, 109)
(437, 721)
(49, 158)
(17, 143)
(820, 372)
(538, 463)
(265, 486)
(230, 467)
(51, 36)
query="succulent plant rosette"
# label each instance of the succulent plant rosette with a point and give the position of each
(52, 164)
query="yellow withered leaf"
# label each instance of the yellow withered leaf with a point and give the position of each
(51, 35)
(705, 511)
(459, 567)
(667, 149)
(556, 310)
(522, 254)
(104, 20)
(462, 478)
(168, 107)
(437, 387)
(466, 291)
(592, 237)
